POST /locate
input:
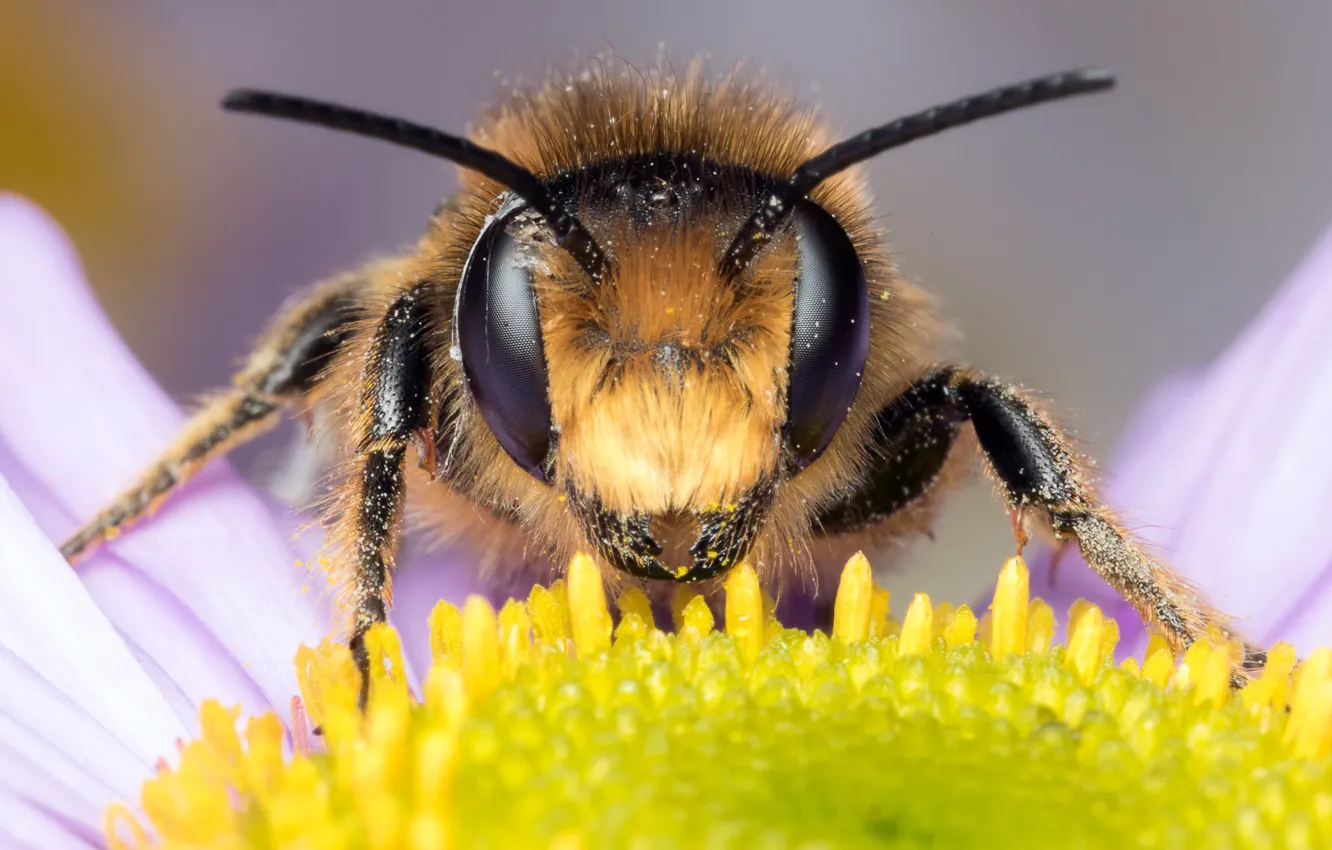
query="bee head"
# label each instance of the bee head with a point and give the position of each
(664, 336)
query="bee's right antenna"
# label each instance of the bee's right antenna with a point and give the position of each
(776, 207)
(570, 233)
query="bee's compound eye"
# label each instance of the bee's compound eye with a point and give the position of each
(829, 335)
(498, 331)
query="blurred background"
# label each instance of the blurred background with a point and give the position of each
(1088, 249)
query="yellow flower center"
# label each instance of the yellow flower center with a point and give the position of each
(546, 725)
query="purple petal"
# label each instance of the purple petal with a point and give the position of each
(24, 823)
(1230, 475)
(210, 578)
(81, 724)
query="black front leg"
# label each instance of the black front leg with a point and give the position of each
(1039, 473)
(912, 439)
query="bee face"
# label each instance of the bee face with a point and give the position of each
(666, 399)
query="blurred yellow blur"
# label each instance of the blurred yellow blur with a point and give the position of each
(77, 148)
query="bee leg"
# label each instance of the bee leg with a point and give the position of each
(1037, 470)
(1040, 475)
(912, 439)
(395, 406)
(284, 367)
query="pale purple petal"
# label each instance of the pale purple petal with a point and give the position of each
(210, 578)
(24, 823)
(1229, 474)
(81, 724)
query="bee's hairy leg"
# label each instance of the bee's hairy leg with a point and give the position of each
(912, 438)
(283, 368)
(1040, 475)
(395, 406)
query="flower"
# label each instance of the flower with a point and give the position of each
(105, 667)
(543, 721)
(1229, 473)
(537, 728)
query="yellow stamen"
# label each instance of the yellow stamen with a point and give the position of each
(943, 615)
(684, 594)
(1084, 645)
(1309, 732)
(917, 627)
(855, 600)
(1008, 626)
(1040, 626)
(633, 602)
(515, 637)
(1111, 639)
(589, 618)
(480, 647)
(1270, 692)
(879, 608)
(961, 629)
(388, 672)
(697, 618)
(519, 742)
(445, 626)
(744, 611)
(549, 609)
(1209, 668)
(1075, 612)
(1158, 663)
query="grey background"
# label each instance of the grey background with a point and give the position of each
(1086, 249)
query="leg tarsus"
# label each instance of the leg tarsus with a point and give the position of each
(223, 424)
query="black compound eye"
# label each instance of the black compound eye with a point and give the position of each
(829, 334)
(498, 335)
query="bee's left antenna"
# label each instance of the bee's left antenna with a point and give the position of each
(569, 232)
(776, 207)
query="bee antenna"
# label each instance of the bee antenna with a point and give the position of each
(774, 209)
(570, 233)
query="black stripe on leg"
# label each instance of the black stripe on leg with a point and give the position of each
(322, 332)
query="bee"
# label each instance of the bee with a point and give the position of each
(656, 323)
